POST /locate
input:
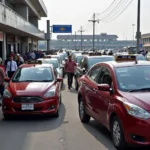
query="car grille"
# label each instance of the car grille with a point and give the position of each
(35, 109)
(27, 99)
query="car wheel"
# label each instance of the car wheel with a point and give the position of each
(6, 117)
(56, 115)
(60, 99)
(117, 134)
(84, 117)
(76, 85)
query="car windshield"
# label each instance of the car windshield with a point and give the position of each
(53, 62)
(58, 58)
(140, 57)
(79, 58)
(33, 74)
(133, 78)
(93, 61)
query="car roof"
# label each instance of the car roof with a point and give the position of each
(103, 56)
(36, 65)
(126, 64)
(48, 59)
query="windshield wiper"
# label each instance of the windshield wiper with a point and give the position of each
(142, 89)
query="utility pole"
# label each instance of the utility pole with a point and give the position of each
(94, 21)
(68, 41)
(138, 35)
(81, 31)
(133, 33)
(75, 40)
(48, 35)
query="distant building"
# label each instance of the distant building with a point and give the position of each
(102, 41)
(19, 25)
(146, 41)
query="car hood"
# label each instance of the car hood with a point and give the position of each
(140, 99)
(26, 88)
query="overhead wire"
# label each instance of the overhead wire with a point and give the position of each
(113, 11)
(113, 2)
(117, 15)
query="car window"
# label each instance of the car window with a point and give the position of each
(93, 61)
(105, 77)
(94, 73)
(140, 57)
(78, 59)
(81, 63)
(53, 62)
(131, 78)
(85, 64)
(33, 74)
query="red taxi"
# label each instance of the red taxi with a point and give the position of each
(34, 89)
(116, 94)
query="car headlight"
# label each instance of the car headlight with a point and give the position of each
(7, 94)
(136, 111)
(50, 93)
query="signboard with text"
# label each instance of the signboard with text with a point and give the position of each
(62, 28)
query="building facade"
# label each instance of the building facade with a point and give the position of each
(146, 41)
(19, 25)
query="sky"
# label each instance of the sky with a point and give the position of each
(78, 12)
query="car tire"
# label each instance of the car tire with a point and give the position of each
(60, 99)
(76, 85)
(6, 117)
(84, 117)
(117, 130)
(56, 115)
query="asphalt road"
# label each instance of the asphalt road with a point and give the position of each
(64, 133)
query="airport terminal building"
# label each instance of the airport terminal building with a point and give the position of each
(102, 41)
(19, 25)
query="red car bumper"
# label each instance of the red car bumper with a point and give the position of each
(45, 107)
(137, 131)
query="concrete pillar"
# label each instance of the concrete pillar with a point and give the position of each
(22, 10)
(4, 53)
(16, 44)
(25, 46)
(34, 21)
(3, 1)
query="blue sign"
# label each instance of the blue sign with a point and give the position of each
(62, 28)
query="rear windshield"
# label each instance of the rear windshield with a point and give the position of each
(93, 61)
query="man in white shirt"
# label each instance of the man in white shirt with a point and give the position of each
(11, 67)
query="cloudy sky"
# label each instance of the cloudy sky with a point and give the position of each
(78, 12)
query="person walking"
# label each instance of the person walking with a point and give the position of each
(69, 69)
(11, 67)
(2, 85)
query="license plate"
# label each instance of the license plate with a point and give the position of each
(27, 107)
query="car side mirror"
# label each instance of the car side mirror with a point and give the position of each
(84, 70)
(104, 87)
(7, 80)
(59, 79)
